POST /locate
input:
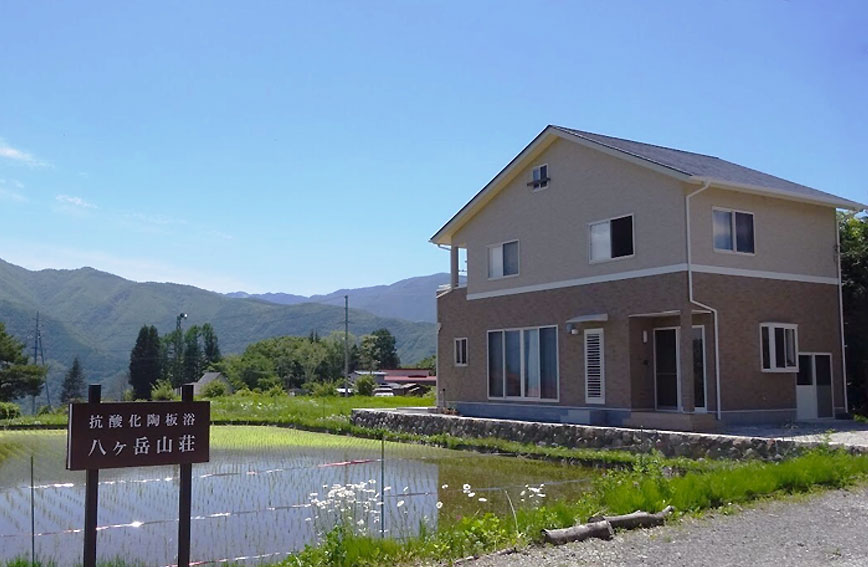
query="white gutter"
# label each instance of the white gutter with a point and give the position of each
(823, 199)
(841, 319)
(705, 186)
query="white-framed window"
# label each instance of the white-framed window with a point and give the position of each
(611, 239)
(540, 177)
(461, 351)
(503, 260)
(523, 363)
(595, 367)
(779, 347)
(733, 231)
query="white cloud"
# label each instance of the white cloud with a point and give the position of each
(159, 220)
(20, 156)
(219, 235)
(76, 201)
(7, 194)
(10, 195)
(14, 182)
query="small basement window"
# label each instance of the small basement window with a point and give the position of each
(779, 344)
(611, 239)
(540, 177)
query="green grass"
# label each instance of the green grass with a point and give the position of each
(319, 413)
(25, 562)
(311, 411)
(697, 491)
(646, 486)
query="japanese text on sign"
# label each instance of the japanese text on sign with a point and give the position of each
(134, 434)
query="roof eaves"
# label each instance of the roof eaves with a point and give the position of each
(823, 199)
(470, 206)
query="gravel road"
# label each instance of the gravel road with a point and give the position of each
(830, 528)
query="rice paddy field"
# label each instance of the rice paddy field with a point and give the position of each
(265, 493)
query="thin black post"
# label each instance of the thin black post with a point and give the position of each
(383, 485)
(346, 345)
(32, 516)
(91, 495)
(185, 497)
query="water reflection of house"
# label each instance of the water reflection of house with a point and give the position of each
(399, 381)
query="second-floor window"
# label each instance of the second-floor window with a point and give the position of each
(503, 260)
(733, 231)
(540, 177)
(611, 238)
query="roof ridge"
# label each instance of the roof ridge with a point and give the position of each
(585, 132)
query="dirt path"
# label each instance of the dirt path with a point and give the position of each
(830, 528)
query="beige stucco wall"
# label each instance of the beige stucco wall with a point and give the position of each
(790, 237)
(552, 224)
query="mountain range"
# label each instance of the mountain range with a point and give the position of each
(96, 316)
(411, 299)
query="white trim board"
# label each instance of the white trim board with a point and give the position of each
(761, 274)
(674, 268)
(581, 281)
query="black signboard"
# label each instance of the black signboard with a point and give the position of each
(137, 434)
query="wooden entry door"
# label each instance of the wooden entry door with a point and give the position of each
(666, 368)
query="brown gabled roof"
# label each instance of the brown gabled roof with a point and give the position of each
(686, 166)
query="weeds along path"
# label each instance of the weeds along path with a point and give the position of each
(825, 528)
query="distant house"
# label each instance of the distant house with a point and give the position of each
(399, 381)
(208, 378)
(398, 376)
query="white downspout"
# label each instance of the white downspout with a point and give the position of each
(697, 303)
(841, 317)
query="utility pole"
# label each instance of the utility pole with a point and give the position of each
(36, 340)
(346, 345)
(39, 351)
(179, 346)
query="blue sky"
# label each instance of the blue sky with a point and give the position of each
(305, 147)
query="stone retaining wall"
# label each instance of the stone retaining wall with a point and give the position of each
(671, 444)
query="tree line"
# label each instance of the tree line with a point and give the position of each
(300, 362)
(177, 357)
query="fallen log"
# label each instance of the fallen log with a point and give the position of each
(635, 520)
(599, 530)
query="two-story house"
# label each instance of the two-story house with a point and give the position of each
(621, 283)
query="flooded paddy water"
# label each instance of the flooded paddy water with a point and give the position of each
(265, 492)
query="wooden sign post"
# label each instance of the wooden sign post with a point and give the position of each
(137, 434)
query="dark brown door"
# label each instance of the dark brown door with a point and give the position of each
(666, 367)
